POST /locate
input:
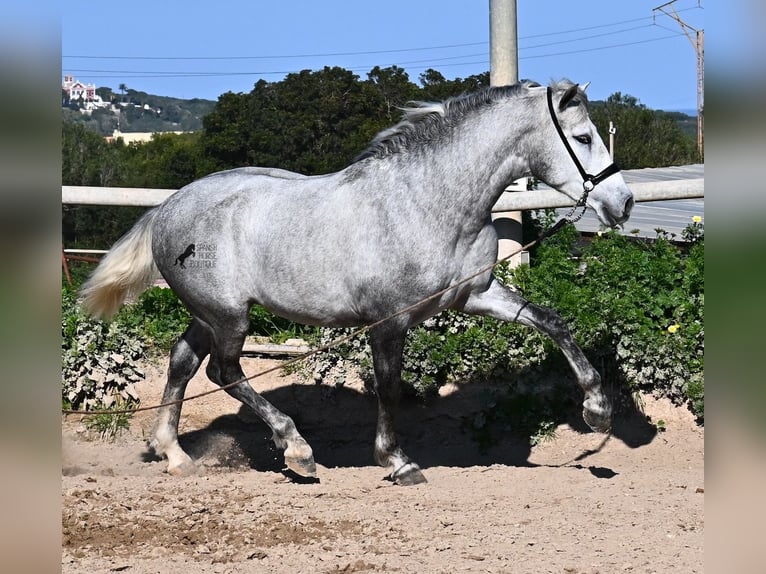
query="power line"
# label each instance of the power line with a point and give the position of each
(377, 52)
(278, 57)
(132, 74)
(622, 31)
(583, 50)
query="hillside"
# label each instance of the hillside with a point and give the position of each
(134, 111)
(685, 121)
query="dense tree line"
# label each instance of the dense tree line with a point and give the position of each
(310, 122)
(644, 138)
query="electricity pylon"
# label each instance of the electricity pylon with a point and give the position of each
(698, 43)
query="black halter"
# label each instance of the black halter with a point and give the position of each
(589, 181)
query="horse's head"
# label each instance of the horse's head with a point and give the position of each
(575, 160)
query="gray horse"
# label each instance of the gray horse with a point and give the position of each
(407, 219)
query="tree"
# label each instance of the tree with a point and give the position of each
(87, 159)
(106, 121)
(168, 161)
(310, 122)
(225, 136)
(645, 138)
(435, 87)
(105, 93)
(395, 87)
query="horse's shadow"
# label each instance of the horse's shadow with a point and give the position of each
(457, 430)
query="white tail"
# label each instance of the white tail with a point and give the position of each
(126, 271)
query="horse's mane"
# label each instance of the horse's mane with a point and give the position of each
(423, 121)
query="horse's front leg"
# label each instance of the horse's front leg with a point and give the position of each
(387, 348)
(501, 303)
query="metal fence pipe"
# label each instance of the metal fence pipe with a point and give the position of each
(509, 201)
(642, 191)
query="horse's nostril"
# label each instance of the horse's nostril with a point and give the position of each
(629, 205)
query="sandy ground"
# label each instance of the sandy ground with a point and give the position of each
(575, 505)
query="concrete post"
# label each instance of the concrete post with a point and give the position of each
(503, 71)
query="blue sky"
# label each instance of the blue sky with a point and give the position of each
(189, 50)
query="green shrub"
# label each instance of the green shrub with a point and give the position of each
(108, 425)
(159, 317)
(162, 318)
(264, 323)
(640, 303)
(99, 360)
(635, 304)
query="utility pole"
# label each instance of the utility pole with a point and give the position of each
(503, 71)
(698, 43)
(503, 43)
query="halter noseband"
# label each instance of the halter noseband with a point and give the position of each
(589, 181)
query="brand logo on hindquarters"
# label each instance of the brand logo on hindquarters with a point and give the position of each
(203, 256)
(188, 252)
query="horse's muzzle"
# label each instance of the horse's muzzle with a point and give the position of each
(615, 213)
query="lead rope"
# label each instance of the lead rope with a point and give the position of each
(339, 341)
(582, 202)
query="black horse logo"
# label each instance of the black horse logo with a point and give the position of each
(181, 258)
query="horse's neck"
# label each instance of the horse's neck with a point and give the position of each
(469, 172)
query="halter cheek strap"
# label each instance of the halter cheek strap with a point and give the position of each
(589, 181)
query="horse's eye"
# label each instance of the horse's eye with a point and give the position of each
(584, 139)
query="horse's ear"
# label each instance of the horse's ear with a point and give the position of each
(566, 99)
(585, 86)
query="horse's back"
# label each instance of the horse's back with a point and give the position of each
(232, 235)
(213, 202)
(256, 171)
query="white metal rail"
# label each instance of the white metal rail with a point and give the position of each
(515, 201)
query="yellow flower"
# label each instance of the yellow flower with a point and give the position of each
(697, 219)
(674, 328)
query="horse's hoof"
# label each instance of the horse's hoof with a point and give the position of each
(186, 468)
(408, 475)
(598, 421)
(305, 467)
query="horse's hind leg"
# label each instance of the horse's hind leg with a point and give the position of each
(502, 303)
(387, 349)
(224, 369)
(185, 359)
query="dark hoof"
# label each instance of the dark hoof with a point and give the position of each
(598, 422)
(294, 478)
(305, 467)
(408, 475)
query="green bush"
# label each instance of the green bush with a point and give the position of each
(159, 316)
(162, 318)
(634, 305)
(265, 324)
(99, 360)
(638, 303)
